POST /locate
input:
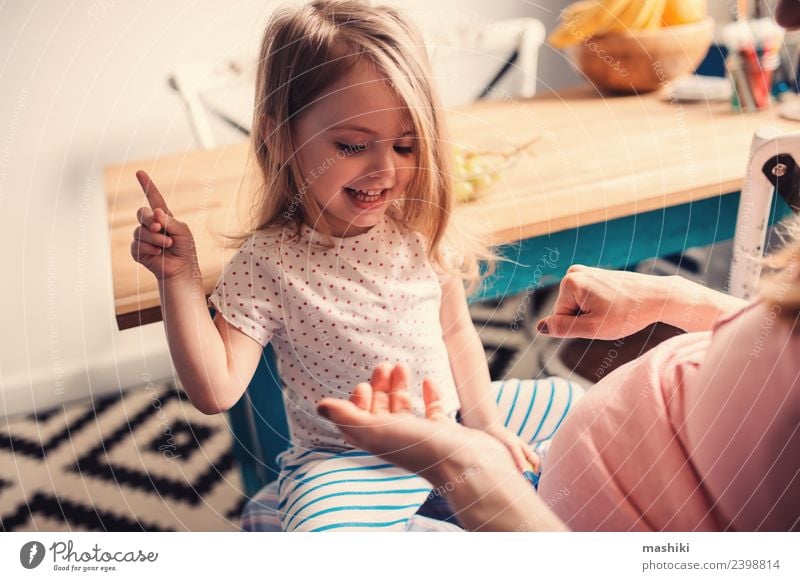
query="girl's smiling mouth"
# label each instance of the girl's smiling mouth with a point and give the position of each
(366, 199)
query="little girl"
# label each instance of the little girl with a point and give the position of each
(346, 270)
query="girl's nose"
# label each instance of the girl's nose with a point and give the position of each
(382, 163)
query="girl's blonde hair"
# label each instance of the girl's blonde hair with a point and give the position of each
(305, 50)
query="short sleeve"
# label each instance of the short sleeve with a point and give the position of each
(741, 420)
(243, 292)
(740, 312)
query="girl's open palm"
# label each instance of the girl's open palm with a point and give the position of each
(162, 244)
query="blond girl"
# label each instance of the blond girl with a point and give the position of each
(349, 269)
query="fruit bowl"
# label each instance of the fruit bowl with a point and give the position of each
(641, 61)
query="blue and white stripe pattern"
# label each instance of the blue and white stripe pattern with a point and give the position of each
(261, 515)
(535, 408)
(350, 490)
(321, 490)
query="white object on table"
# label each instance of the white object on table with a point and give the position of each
(700, 88)
(752, 220)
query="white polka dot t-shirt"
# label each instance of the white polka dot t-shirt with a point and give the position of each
(333, 314)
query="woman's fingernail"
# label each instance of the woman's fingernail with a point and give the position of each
(542, 328)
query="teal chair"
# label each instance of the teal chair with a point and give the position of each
(258, 422)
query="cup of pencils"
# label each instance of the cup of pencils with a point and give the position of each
(753, 56)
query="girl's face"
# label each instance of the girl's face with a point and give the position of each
(355, 151)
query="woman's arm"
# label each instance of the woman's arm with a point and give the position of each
(604, 304)
(214, 362)
(485, 491)
(694, 307)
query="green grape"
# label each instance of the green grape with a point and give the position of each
(481, 181)
(473, 174)
(463, 191)
(460, 167)
(473, 165)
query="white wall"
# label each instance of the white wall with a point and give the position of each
(82, 86)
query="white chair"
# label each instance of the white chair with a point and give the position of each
(772, 166)
(485, 60)
(225, 88)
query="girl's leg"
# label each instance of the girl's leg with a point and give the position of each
(349, 491)
(535, 408)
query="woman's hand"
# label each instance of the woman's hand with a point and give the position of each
(482, 484)
(524, 457)
(595, 303)
(162, 244)
(378, 418)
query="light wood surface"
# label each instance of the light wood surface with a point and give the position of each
(597, 159)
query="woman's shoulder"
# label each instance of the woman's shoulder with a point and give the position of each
(760, 329)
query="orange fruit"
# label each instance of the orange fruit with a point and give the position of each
(678, 12)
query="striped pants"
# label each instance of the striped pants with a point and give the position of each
(356, 491)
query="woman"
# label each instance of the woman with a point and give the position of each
(700, 433)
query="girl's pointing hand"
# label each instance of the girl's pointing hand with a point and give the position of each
(162, 244)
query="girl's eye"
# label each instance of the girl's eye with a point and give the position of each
(404, 150)
(349, 149)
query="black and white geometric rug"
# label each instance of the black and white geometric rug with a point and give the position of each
(142, 461)
(147, 460)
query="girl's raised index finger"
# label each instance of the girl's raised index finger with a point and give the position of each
(154, 197)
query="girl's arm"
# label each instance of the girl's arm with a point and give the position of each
(471, 374)
(467, 358)
(214, 361)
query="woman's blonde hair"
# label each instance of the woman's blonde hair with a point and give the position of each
(780, 285)
(305, 50)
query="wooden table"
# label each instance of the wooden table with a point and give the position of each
(598, 160)
(611, 182)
